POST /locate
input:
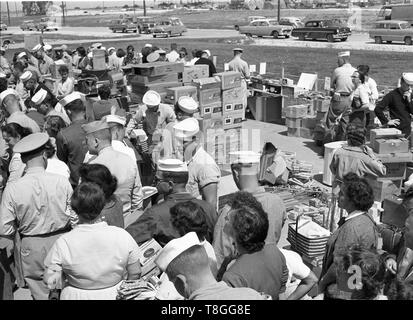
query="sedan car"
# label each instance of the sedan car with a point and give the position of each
(28, 25)
(266, 28)
(322, 29)
(291, 21)
(169, 27)
(392, 31)
(3, 26)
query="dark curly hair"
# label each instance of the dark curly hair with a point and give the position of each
(400, 290)
(99, 174)
(53, 125)
(242, 199)
(358, 191)
(250, 226)
(356, 134)
(15, 130)
(188, 216)
(104, 92)
(373, 270)
(88, 200)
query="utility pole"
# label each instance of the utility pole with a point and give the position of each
(133, 8)
(279, 10)
(8, 12)
(63, 13)
(15, 8)
(144, 8)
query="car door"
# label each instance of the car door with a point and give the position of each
(312, 29)
(263, 29)
(395, 32)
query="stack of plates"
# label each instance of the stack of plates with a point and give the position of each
(310, 247)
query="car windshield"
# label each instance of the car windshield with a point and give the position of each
(273, 22)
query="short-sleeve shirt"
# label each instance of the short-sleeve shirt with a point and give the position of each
(93, 256)
(202, 170)
(23, 120)
(341, 80)
(296, 266)
(241, 66)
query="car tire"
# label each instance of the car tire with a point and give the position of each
(343, 39)
(330, 38)
(249, 35)
(123, 30)
(135, 31)
(378, 40)
(55, 29)
(236, 28)
(408, 41)
(154, 35)
(287, 36)
(274, 34)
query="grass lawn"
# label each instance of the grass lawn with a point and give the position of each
(385, 67)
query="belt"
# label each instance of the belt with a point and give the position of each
(46, 235)
(344, 94)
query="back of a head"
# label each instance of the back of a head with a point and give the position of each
(356, 134)
(358, 191)
(15, 130)
(103, 135)
(53, 125)
(99, 174)
(104, 92)
(120, 53)
(19, 65)
(81, 51)
(179, 178)
(199, 54)
(76, 106)
(189, 216)
(363, 69)
(242, 199)
(88, 200)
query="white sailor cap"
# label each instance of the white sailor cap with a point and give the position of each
(39, 97)
(70, 98)
(408, 78)
(7, 92)
(102, 48)
(343, 54)
(47, 47)
(174, 248)
(244, 157)
(96, 45)
(113, 118)
(152, 57)
(37, 47)
(26, 76)
(186, 128)
(21, 55)
(148, 45)
(3, 75)
(59, 48)
(90, 55)
(55, 113)
(31, 142)
(207, 52)
(2, 49)
(111, 48)
(172, 165)
(187, 104)
(151, 98)
(64, 47)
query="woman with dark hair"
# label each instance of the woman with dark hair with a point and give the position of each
(361, 99)
(54, 123)
(90, 261)
(83, 59)
(356, 197)
(112, 211)
(183, 56)
(258, 266)
(13, 133)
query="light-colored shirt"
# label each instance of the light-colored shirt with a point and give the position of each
(341, 80)
(93, 256)
(172, 56)
(37, 203)
(16, 168)
(126, 172)
(296, 266)
(372, 85)
(241, 66)
(221, 291)
(46, 65)
(56, 166)
(5, 66)
(117, 146)
(202, 170)
(22, 119)
(65, 88)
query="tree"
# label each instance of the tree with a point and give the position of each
(125, 6)
(32, 8)
(77, 8)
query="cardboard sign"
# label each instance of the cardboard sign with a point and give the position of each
(263, 68)
(253, 68)
(226, 66)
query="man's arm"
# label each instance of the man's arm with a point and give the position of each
(381, 106)
(61, 152)
(7, 214)
(209, 193)
(137, 193)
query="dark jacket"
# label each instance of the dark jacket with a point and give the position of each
(209, 63)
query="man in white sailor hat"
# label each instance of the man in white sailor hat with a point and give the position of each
(4, 64)
(186, 263)
(41, 105)
(20, 210)
(45, 63)
(48, 49)
(399, 102)
(32, 85)
(204, 173)
(341, 89)
(10, 103)
(245, 167)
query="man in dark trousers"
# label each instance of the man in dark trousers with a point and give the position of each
(400, 104)
(204, 59)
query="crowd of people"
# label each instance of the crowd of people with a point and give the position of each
(74, 212)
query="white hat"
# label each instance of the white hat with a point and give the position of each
(39, 97)
(2, 49)
(7, 92)
(21, 55)
(172, 165)
(90, 54)
(152, 57)
(37, 47)
(151, 98)
(111, 48)
(96, 45)
(59, 63)
(174, 248)
(103, 48)
(47, 47)
(408, 78)
(186, 128)
(161, 51)
(344, 54)
(208, 52)
(113, 118)
(148, 45)
(26, 76)
(244, 157)
(70, 98)
(3, 75)
(187, 104)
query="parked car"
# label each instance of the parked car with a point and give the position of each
(392, 31)
(291, 21)
(169, 27)
(145, 24)
(28, 25)
(249, 20)
(123, 25)
(3, 26)
(266, 28)
(46, 24)
(322, 29)
(6, 40)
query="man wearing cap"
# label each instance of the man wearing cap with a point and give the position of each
(9, 101)
(241, 66)
(4, 64)
(112, 59)
(62, 55)
(32, 85)
(186, 263)
(99, 143)
(71, 148)
(400, 104)
(204, 59)
(28, 64)
(342, 87)
(18, 70)
(48, 49)
(146, 50)
(45, 63)
(204, 173)
(37, 206)
(40, 106)
(245, 166)
(171, 178)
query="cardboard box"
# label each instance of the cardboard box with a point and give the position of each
(320, 115)
(384, 188)
(397, 145)
(211, 123)
(297, 111)
(144, 80)
(157, 68)
(395, 157)
(173, 94)
(293, 123)
(158, 87)
(387, 133)
(208, 96)
(207, 83)
(229, 79)
(233, 120)
(306, 133)
(394, 213)
(213, 110)
(199, 71)
(233, 107)
(309, 123)
(234, 95)
(149, 251)
(322, 105)
(395, 170)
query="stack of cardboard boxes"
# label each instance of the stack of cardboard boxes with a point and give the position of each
(190, 73)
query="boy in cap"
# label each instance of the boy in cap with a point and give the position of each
(36, 192)
(99, 143)
(204, 59)
(186, 263)
(171, 179)
(400, 104)
(204, 173)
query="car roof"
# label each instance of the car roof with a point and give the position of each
(391, 21)
(290, 18)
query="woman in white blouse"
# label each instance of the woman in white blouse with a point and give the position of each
(361, 99)
(90, 261)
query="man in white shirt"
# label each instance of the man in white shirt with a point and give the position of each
(173, 55)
